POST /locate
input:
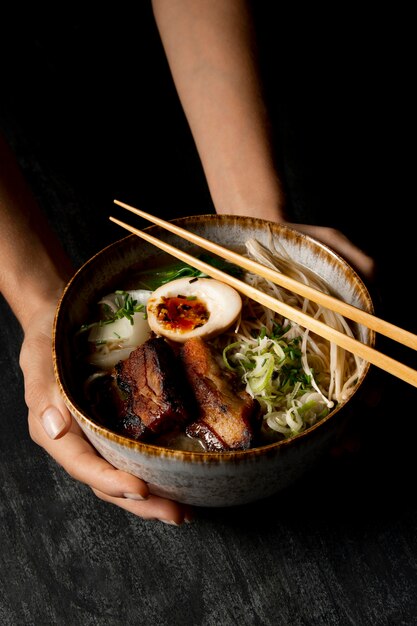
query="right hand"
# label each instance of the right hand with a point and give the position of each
(52, 427)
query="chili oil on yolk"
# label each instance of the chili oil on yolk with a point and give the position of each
(182, 313)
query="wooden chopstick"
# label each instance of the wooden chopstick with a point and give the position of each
(377, 324)
(362, 350)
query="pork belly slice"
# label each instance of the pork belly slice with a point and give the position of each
(154, 395)
(228, 420)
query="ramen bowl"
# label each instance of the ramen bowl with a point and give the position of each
(201, 478)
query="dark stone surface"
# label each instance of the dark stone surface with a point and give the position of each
(338, 548)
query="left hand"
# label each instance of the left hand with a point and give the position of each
(335, 239)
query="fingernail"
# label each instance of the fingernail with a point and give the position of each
(170, 522)
(134, 496)
(53, 422)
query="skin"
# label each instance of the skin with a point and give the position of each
(211, 52)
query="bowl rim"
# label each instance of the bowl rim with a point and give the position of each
(152, 449)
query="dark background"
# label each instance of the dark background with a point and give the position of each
(90, 109)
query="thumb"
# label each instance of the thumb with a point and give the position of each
(42, 395)
(55, 420)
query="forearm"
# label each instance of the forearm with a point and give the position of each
(210, 48)
(34, 267)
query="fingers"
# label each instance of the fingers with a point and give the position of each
(52, 427)
(336, 240)
(82, 462)
(76, 455)
(154, 508)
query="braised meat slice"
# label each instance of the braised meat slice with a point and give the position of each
(153, 397)
(228, 420)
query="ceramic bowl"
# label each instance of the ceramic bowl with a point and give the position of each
(201, 478)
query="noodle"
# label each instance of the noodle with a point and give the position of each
(296, 376)
(323, 374)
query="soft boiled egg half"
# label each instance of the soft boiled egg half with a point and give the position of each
(112, 340)
(193, 307)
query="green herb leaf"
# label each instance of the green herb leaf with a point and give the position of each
(152, 279)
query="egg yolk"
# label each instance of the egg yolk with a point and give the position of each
(182, 313)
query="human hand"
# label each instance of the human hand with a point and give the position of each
(336, 240)
(52, 427)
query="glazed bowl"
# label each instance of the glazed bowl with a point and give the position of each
(201, 478)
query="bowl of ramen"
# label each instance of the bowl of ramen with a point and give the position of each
(178, 378)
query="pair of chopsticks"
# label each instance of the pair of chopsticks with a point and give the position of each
(355, 346)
